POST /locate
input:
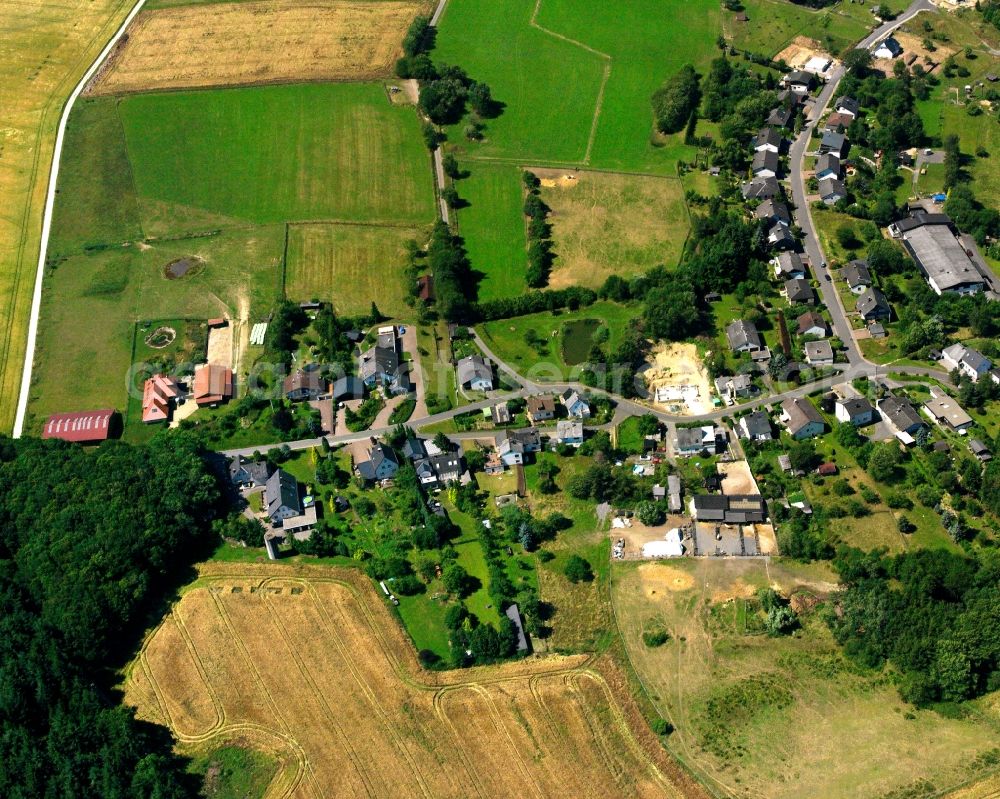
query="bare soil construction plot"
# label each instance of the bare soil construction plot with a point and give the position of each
(222, 44)
(801, 52)
(309, 662)
(677, 379)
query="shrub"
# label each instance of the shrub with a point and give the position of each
(662, 727)
(655, 638)
(578, 570)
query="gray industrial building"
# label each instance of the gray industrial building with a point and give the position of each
(946, 261)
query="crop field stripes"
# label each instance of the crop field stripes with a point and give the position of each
(463, 756)
(515, 752)
(220, 710)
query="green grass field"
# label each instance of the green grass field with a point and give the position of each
(493, 228)
(781, 717)
(772, 24)
(350, 266)
(234, 772)
(277, 154)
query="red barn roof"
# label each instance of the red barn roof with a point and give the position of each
(82, 427)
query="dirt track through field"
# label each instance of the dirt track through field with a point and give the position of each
(223, 44)
(309, 665)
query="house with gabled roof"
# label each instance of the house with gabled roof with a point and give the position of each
(281, 497)
(788, 265)
(857, 276)
(743, 336)
(969, 362)
(857, 411)
(767, 140)
(773, 212)
(247, 473)
(381, 463)
(540, 409)
(761, 189)
(873, 305)
(755, 426)
(811, 323)
(801, 418)
(475, 373)
(575, 404)
(798, 291)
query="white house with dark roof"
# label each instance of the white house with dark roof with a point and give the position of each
(381, 463)
(475, 373)
(765, 164)
(901, 417)
(743, 336)
(767, 140)
(857, 276)
(801, 419)
(854, 410)
(760, 189)
(969, 362)
(847, 105)
(887, 48)
(827, 166)
(798, 291)
(788, 265)
(281, 497)
(873, 305)
(773, 212)
(755, 426)
(832, 191)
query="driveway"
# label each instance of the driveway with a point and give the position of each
(409, 344)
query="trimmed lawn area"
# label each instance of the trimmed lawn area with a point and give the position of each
(275, 154)
(350, 266)
(608, 224)
(435, 360)
(492, 225)
(629, 439)
(828, 222)
(772, 25)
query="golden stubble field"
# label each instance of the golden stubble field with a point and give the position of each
(309, 665)
(223, 44)
(44, 50)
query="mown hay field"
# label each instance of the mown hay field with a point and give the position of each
(783, 717)
(350, 266)
(227, 44)
(280, 153)
(612, 224)
(44, 50)
(312, 665)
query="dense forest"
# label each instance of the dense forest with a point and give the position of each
(90, 542)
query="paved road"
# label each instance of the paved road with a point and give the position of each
(803, 213)
(50, 198)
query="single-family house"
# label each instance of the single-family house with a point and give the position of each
(946, 412)
(788, 265)
(414, 449)
(674, 493)
(569, 431)
(779, 237)
(575, 405)
(832, 191)
(439, 470)
(513, 445)
(827, 166)
(799, 81)
(837, 122)
(901, 417)
(819, 353)
(475, 373)
(811, 323)
(500, 413)
(743, 336)
(213, 384)
(692, 440)
(872, 305)
(781, 117)
(381, 463)
(761, 189)
(281, 497)
(347, 388)
(847, 105)
(380, 366)
(857, 411)
(798, 291)
(773, 212)
(834, 143)
(755, 426)
(765, 164)
(767, 140)
(732, 386)
(857, 276)
(159, 394)
(248, 473)
(540, 409)
(980, 450)
(969, 362)
(304, 384)
(801, 418)
(887, 48)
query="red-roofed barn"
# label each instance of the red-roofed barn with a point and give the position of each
(83, 427)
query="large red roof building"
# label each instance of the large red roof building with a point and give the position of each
(83, 427)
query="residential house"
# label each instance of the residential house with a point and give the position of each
(674, 492)
(946, 412)
(798, 291)
(730, 508)
(500, 413)
(811, 323)
(159, 393)
(827, 166)
(837, 122)
(439, 470)
(767, 140)
(247, 473)
(819, 353)
(575, 405)
(540, 409)
(569, 431)
(847, 106)
(213, 384)
(414, 449)
(386, 337)
(304, 384)
(732, 386)
(380, 366)
(347, 388)
(969, 362)
(801, 419)
(513, 445)
(743, 336)
(773, 212)
(755, 426)
(765, 164)
(901, 417)
(887, 48)
(281, 497)
(832, 191)
(854, 410)
(828, 469)
(799, 81)
(779, 237)
(381, 463)
(781, 117)
(980, 450)
(857, 276)
(475, 373)
(872, 305)
(761, 189)
(788, 265)
(692, 440)
(833, 143)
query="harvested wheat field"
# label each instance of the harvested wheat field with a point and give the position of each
(222, 44)
(307, 664)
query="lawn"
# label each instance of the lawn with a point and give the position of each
(543, 359)
(609, 224)
(435, 360)
(92, 302)
(350, 266)
(781, 717)
(274, 154)
(234, 772)
(828, 222)
(492, 225)
(628, 438)
(772, 24)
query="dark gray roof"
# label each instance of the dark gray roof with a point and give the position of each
(742, 334)
(767, 137)
(348, 387)
(848, 104)
(378, 361)
(782, 117)
(790, 262)
(800, 76)
(773, 210)
(414, 448)
(730, 508)
(873, 302)
(931, 241)
(779, 234)
(832, 189)
(856, 273)
(828, 161)
(760, 188)
(473, 367)
(242, 470)
(798, 290)
(757, 424)
(765, 159)
(281, 490)
(832, 140)
(855, 406)
(900, 412)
